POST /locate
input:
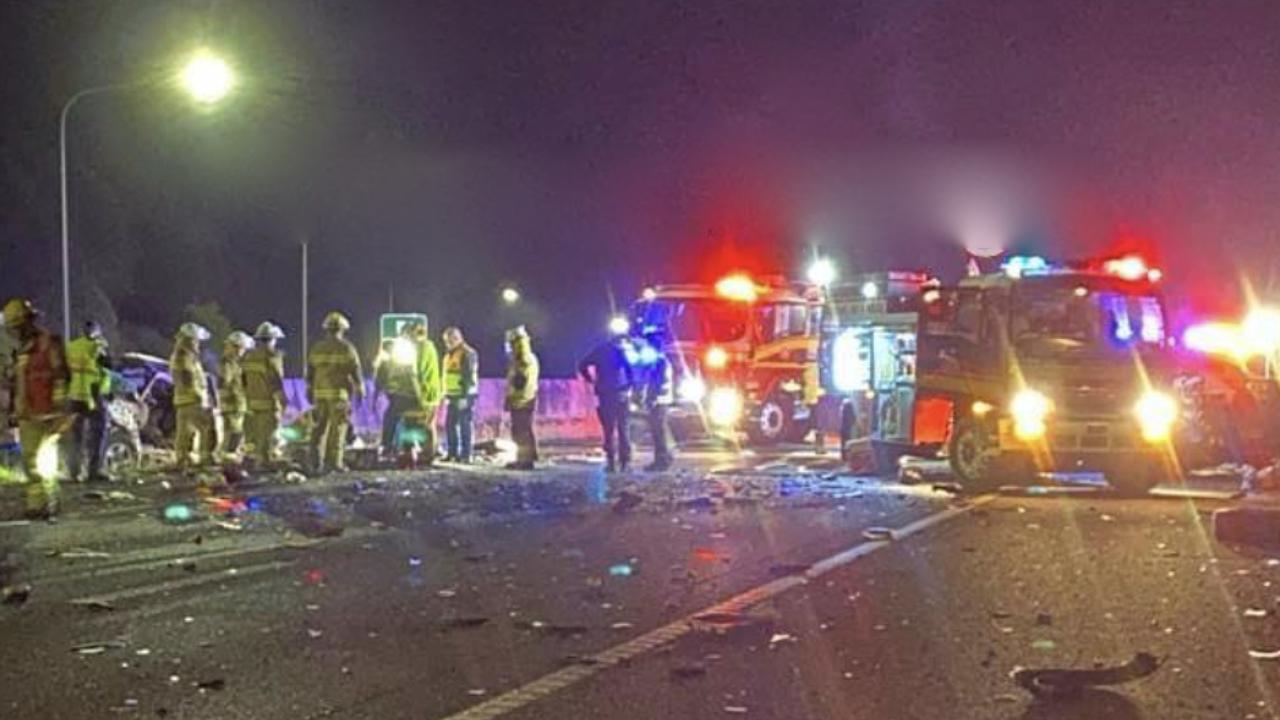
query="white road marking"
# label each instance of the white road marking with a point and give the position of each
(559, 680)
(216, 577)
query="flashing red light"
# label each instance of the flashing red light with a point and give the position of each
(736, 287)
(717, 357)
(1130, 267)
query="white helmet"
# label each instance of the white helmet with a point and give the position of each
(269, 331)
(193, 331)
(240, 339)
(336, 321)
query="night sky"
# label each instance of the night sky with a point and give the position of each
(437, 150)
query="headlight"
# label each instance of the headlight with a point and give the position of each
(1156, 412)
(1029, 409)
(724, 407)
(692, 389)
(717, 358)
(403, 351)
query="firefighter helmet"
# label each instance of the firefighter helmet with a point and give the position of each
(240, 339)
(18, 311)
(269, 331)
(336, 321)
(193, 331)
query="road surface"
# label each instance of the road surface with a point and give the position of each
(765, 586)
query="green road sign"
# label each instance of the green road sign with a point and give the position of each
(390, 324)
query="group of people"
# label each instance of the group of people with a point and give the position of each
(59, 395)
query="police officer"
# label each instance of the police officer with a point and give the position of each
(399, 378)
(231, 396)
(87, 396)
(333, 381)
(461, 386)
(658, 395)
(522, 397)
(191, 401)
(264, 392)
(608, 369)
(37, 380)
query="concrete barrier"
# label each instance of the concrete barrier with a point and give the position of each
(566, 410)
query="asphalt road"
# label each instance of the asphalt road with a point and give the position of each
(761, 586)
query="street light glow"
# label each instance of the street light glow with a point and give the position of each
(822, 272)
(207, 78)
(510, 295)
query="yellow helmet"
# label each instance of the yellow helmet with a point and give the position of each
(336, 321)
(18, 311)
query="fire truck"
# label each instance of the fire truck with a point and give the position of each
(743, 352)
(1036, 368)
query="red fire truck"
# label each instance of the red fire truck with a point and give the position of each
(743, 351)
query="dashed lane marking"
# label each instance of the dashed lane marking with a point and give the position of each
(559, 680)
(169, 586)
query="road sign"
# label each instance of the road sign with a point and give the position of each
(391, 324)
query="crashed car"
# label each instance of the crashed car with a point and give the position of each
(146, 380)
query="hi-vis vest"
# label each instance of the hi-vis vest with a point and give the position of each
(89, 379)
(39, 377)
(334, 369)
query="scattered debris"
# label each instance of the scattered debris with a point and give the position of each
(627, 501)
(214, 684)
(178, 514)
(1060, 682)
(951, 488)
(688, 671)
(462, 622)
(1265, 654)
(99, 647)
(93, 604)
(621, 626)
(1256, 612)
(415, 561)
(477, 692)
(314, 633)
(878, 533)
(735, 709)
(15, 594)
(621, 570)
(724, 622)
(234, 525)
(446, 593)
(1044, 619)
(552, 629)
(780, 638)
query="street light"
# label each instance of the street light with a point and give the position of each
(205, 77)
(822, 272)
(510, 295)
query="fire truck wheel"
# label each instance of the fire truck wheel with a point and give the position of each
(771, 423)
(975, 456)
(1134, 478)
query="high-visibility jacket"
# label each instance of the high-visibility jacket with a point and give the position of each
(86, 361)
(38, 377)
(522, 377)
(429, 381)
(264, 379)
(231, 385)
(333, 369)
(190, 384)
(461, 372)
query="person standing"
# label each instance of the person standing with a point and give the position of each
(333, 381)
(432, 391)
(191, 402)
(522, 397)
(609, 371)
(659, 394)
(37, 380)
(264, 392)
(461, 385)
(231, 395)
(89, 364)
(397, 376)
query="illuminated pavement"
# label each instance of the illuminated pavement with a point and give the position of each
(481, 593)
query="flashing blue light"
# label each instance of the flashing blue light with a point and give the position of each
(648, 355)
(1020, 265)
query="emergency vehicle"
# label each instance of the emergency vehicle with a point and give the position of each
(1036, 368)
(743, 352)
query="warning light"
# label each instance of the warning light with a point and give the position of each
(870, 291)
(619, 325)
(649, 293)
(736, 287)
(822, 272)
(1019, 265)
(1129, 267)
(717, 357)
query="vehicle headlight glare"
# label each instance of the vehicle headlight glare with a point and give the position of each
(1029, 410)
(724, 406)
(1156, 413)
(692, 389)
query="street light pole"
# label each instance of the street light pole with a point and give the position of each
(304, 304)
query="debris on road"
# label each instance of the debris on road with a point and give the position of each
(779, 638)
(15, 594)
(314, 633)
(552, 629)
(1265, 654)
(98, 647)
(1061, 682)
(93, 604)
(621, 570)
(735, 709)
(689, 671)
(721, 623)
(211, 684)
(446, 593)
(178, 514)
(1256, 612)
(878, 533)
(627, 501)
(461, 622)
(79, 554)
(108, 495)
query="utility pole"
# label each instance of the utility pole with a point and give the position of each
(304, 304)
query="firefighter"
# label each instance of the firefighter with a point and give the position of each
(232, 402)
(90, 367)
(37, 403)
(191, 401)
(333, 381)
(522, 397)
(431, 387)
(608, 369)
(264, 392)
(399, 379)
(658, 394)
(461, 368)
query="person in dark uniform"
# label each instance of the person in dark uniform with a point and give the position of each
(608, 368)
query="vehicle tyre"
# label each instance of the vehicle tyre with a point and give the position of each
(1135, 478)
(974, 455)
(771, 423)
(123, 452)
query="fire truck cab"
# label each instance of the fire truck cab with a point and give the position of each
(743, 352)
(1037, 368)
